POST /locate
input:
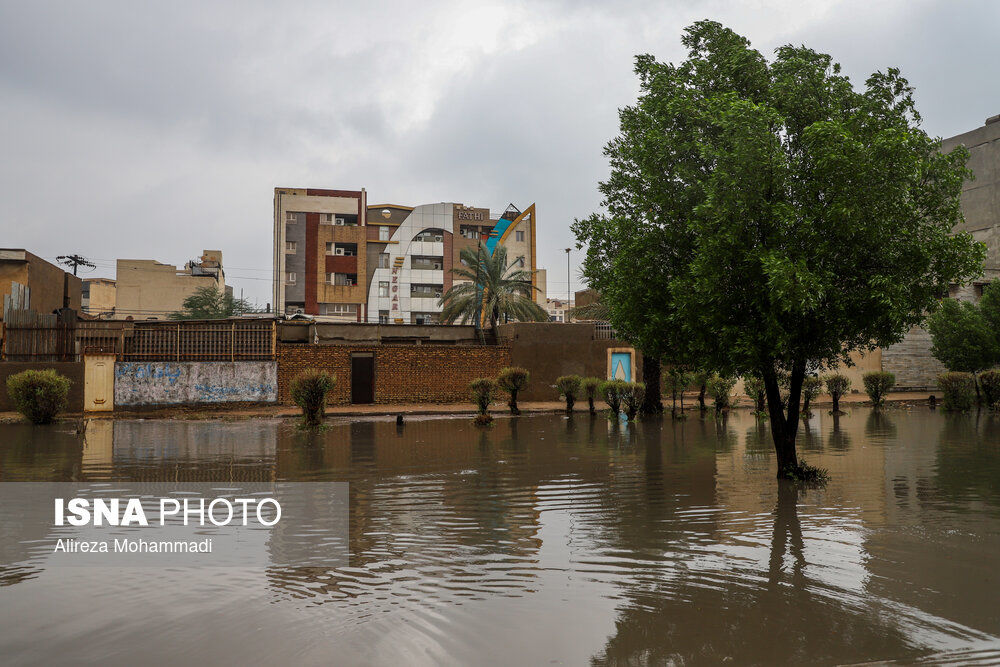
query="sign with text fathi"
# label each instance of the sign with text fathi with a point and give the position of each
(174, 524)
(469, 214)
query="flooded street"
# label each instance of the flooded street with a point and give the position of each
(546, 540)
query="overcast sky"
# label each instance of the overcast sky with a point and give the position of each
(155, 130)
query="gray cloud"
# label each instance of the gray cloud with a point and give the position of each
(157, 130)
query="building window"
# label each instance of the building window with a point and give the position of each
(383, 233)
(344, 279)
(290, 277)
(433, 235)
(383, 260)
(291, 218)
(519, 236)
(383, 288)
(426, 291)
(348, 249)
(290, 247)
(427, 263)
(520, 261)
(424, 318)
(383, 317)
(341, 308)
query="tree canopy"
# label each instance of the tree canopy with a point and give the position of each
(767, 216)
(491, 290)
(964, 334)
(210, 303)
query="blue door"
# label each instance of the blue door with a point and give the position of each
(621, 366)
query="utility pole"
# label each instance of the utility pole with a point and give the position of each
(75, 261)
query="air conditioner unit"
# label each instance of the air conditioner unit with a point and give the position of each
(338, 251)
(338, 221)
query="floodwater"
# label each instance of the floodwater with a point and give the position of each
(547, 541)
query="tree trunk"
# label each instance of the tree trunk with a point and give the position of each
(513, 403)
(590, 404)
(836, 402)
(701, 397)
(784, 428)
(651, 404)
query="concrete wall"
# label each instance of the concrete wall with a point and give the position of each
(102, 296)
(147, 289)
(182, 383)
(71, 369)
(549, 350)
(51, 287)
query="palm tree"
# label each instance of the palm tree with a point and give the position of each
(493, 290)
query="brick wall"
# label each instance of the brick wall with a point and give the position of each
(403, 373)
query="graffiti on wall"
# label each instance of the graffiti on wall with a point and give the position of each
(178, 383)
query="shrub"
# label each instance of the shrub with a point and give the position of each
(569, 388)
(811, 386)
(512, 380)
(611, 390)
(38, 395)
(590, 388)
(483, 390)
(309, 390)
(990, 383)
(753, 386)
(837, 385)
(632, 394)
(877, 385)
(720, 389)
(959, 391)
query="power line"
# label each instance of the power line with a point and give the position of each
(75, 261)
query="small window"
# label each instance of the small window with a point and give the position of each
(520, 261)
(291, 218)
(383, 317)
(383, 288)
(290, 277)
(383, 260)
(290, 247)
(519, 236)
(383, 233)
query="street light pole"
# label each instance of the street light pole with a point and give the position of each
(568, 288)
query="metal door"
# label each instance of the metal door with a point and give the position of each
(363, 377)
(99, 382)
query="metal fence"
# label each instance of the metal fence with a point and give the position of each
(231, 340)
(604, 330)
(43, 338)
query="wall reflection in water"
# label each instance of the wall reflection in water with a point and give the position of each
(587, 540)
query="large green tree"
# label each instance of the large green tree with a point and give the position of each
(769, 218)
(210, 303)
(490, 290)
(964, 335)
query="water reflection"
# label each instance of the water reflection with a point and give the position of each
(553, 538)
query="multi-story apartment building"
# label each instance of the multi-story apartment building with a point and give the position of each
(382, 263)
(320, 252)
(149, 290)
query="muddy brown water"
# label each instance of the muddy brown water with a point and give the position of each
(545, 540)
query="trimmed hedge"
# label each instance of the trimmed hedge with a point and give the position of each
(877, 385)
(959, 391)
(39, 395)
